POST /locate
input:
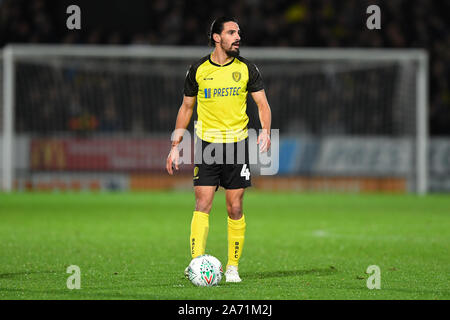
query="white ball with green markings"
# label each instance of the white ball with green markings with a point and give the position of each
(205, 271)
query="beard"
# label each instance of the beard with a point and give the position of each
(234, 53)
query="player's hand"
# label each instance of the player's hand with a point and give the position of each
(172, 160)
(263, 141)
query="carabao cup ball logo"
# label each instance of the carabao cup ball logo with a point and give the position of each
(207, 272)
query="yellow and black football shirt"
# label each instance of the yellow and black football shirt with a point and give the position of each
(221, 92)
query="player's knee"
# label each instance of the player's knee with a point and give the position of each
(203, 206)
(234, 211)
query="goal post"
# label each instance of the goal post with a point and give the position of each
(422, 124)
(8, 119)
(402, 105)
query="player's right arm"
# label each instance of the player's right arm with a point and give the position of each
(183, 118)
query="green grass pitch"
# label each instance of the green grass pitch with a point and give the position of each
(297, 246)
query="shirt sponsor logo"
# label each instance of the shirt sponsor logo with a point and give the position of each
(221, 92)
(207, 92)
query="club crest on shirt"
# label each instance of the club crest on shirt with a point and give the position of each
(236, 76)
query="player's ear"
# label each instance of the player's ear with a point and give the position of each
(216, 37)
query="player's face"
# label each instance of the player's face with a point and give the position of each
(230, 38)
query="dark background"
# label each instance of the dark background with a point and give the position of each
(307, 23)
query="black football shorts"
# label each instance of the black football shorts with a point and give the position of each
(221, 164)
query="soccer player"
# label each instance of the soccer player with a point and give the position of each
(219, 83)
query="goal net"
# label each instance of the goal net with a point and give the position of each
(100, 117)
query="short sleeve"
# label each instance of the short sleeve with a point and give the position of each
(255, 82)
(190, 84)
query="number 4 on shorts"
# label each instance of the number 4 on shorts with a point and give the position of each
(245, 172)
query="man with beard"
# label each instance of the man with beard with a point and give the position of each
(219, 83)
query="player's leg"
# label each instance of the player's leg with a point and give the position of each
(236, 232)
(235, 178)
(206, 179)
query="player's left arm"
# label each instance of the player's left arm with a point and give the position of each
(265, 117)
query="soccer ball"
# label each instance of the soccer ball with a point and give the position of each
(205, 271)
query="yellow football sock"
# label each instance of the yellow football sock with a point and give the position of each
(236, 234)
(199, 233)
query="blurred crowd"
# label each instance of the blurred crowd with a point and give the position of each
(285, 23)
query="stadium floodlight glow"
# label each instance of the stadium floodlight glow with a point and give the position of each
(412, 63)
